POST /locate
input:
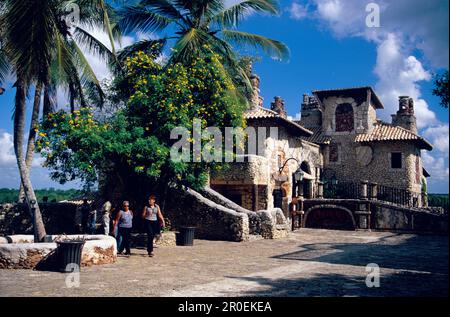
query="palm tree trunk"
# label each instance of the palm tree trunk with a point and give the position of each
(19, 130)
(32, 135)
(48, 103)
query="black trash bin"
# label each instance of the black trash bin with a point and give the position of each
(69, 252)
(185, 237)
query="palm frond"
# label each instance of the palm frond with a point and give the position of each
(140, 19)
(93, 45)
(88, 78)
(189, 44)
(231, 16)
(4, 66)
(164, 8)
(272, 47)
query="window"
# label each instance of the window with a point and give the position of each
(344, 118)
(334, 153)
(396, 160)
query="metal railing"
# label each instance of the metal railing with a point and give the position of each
(396, 196)
(341, 190)
(365, 190)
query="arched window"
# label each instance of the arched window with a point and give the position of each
(344, 118)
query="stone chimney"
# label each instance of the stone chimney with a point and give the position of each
(278, 106)
(405, 117)
(311, 115)
(256, 100)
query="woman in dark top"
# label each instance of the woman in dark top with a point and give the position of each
(154, 220)
(124, 220)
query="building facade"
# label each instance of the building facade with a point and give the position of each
(338, 140)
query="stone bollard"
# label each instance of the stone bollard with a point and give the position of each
(363, 216)
(373, 191)
(363, 194)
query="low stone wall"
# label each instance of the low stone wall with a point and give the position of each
(57, 217)
(382, 216)
(254, 220)
(270, 224)
(273, 224)
(212, 221)
(389, 217)
(19, 252)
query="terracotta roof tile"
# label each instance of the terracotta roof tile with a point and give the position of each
(386, 132)
(264, 113)
(260, 113)
(318, 136)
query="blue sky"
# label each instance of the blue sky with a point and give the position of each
(331, 47)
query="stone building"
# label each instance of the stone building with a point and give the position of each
(357, 146)
(337, 140)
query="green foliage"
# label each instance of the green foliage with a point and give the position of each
(134, 144)
(195, 23)
(439, 200)
(441, 88)
(10, 195)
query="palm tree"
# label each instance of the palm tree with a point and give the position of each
(41, 50)
(202, 22)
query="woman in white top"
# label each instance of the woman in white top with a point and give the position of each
(154, 221)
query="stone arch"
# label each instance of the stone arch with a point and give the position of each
(305, 167)
(347, 211)
(344, 118)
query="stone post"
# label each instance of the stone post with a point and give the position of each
(363, 216)
(373, 191)
(300, 189)
(320, 190)
(301, 211)
(363, 194)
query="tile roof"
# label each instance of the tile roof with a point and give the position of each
(260, 113)
(264, 113)
(318, 136)
(386, 132)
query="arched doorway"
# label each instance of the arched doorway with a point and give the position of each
(329, 217)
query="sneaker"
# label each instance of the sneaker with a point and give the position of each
(151, 254)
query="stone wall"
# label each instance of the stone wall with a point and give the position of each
(381, 216)
(58, 218)
(20, 253)
(269, 224)
(212, 221)
(349, 168)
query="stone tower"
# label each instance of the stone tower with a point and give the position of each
(278, 106)
(256, 99)
(311, 115)
(405, 117)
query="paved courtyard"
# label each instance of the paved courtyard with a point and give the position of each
(308, 263)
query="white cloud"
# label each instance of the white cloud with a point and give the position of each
(399, 74)
(438, 135)
(298, 11)
(437, 167)
(422, 24)
(7, 157)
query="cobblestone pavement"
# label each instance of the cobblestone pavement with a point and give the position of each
(308, 263)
